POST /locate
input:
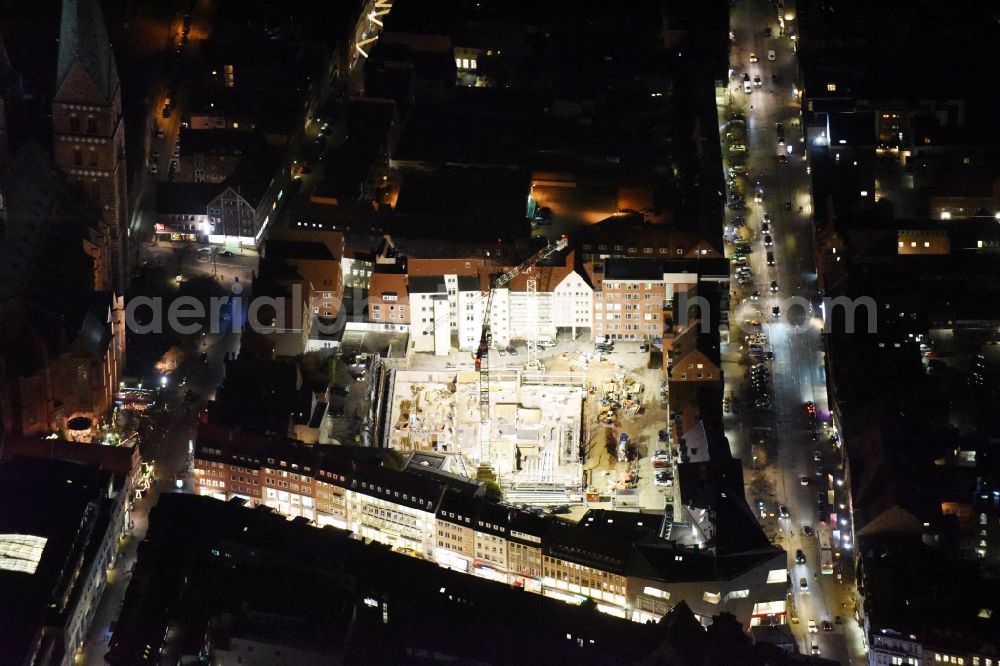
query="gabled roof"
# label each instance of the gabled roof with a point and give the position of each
(83, 38)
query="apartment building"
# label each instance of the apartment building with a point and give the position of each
(634, 298)
(449, 522)
(538, 302)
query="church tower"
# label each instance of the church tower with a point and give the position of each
(88, 132)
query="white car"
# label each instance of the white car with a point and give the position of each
(753, 57)
(770, 55)
(812, 627)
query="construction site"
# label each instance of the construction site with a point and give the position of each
(532, 438)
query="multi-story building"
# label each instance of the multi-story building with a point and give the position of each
(634, 298)
(237, 573)
(211, 156)
(450, 522)
(56, 518)
(389, 298)
(448, 297)
(88, 133)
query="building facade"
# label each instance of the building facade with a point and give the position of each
(429, 518)
(88, 131)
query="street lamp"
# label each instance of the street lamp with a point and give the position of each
(163, 381)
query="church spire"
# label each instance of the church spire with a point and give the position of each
(83, 39)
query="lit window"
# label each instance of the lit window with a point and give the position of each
(712, 597)
(927, 243)
(831, 87)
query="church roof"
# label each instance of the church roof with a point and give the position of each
(83, 37)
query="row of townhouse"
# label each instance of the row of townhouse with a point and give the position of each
(617, 298)
(447, 521)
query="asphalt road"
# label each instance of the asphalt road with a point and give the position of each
(795, 335)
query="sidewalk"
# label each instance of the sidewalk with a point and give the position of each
(96, 645)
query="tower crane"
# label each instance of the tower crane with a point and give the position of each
(486, 338)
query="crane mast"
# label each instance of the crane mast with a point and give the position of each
(482, 357)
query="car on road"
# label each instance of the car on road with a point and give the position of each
(753, 57)
(755, 295)
(770, 54)
(226, 253)
(807, 531)
(804, 480)
(819, 469)
(776, 311)
(810, 408)
(812, 627)
(661, 459)
(765, 227)
(783, 511)
(814, 649)
(663, 478)
(768, 241)
(662, 436)
(827, 626)
(782, 160)
(511, 350)
(774, 286)
(817, 455)
(204, 358)
(800, 557)
(804, 585)
(756, 81)
(770, 258)
(154, 168)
